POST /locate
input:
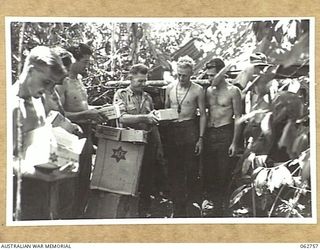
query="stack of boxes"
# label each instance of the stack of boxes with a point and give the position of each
(49, 170)
(115, 179)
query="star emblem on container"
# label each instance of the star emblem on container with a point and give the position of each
(119, 154)
(53, 157)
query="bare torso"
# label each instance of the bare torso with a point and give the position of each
(73, 95)
(220, 104)
(188, 100)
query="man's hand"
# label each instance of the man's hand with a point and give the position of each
(95, 115)
(221, 73)
(77, 130)
(160, 154)
(233, 150)
(199, 147)
(152, 118)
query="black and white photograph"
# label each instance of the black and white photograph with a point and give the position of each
(160, 120)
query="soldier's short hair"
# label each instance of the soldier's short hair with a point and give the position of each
(216, 63)
(80, 51)
(66, 56)
(42, 57)
(139, 69)
(186, 62)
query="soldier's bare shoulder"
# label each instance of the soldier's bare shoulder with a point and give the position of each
(210, 89)
(234, 89)
(197, 86)
(62, 88)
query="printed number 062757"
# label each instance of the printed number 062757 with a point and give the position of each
(308, 246)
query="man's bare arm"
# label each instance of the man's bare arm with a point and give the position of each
(202, 110)
(86, 116)
(237, 109)
(167, 96)
(203, 120)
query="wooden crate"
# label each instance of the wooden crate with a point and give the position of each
(106, 205)
(117, 167)
(46, 200)
(118, 160)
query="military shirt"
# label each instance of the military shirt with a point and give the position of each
(130, 103)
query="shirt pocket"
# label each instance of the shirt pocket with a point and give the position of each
(131, 108)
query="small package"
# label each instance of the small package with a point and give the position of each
(167, 114)
(111, 111)
(58, 120)
(123, 134)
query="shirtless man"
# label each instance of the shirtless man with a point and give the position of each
(73, 94)
(42, 70)
(185, 136)
(224, 103)
(74, 100)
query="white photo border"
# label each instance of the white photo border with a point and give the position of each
(312, 95)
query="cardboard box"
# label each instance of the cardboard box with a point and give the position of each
(58, 120)
(107, 132)
(131, 135)
(52, 148)
(105, 205)
(121, 134)
(117, 167)
(111, 111)
(118, 160)
(167, 114)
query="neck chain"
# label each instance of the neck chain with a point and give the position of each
(180, 103)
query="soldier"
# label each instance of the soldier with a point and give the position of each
(138, 114)
(224, 104)
(42, 70)
(185, 140)
(74, 100)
